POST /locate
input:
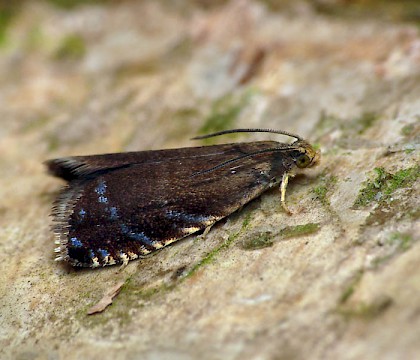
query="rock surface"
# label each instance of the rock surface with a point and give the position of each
(337, 279)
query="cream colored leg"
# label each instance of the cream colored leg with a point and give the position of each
(121, 268)
(206, 231)
(283, 187)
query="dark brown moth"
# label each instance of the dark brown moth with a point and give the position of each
(119, 207)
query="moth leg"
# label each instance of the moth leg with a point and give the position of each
(283, 186)
(206, 231)
(122, 267)
(125, 259)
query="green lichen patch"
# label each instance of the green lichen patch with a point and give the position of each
(321, 191)
(379, 260)
(381, 188)
(8, 10)
(411, 130)
(299, 230)
(365, 121)
(71, 4)
(401, 241)
(148, 293)
(209, 258)
(364, 310)
(266, 238)
(407, 130)
(395, 10)
(246, 221)
(350, 128)
(224, 113)
(132, 292)
(258, 241)
(72, 47)
(351, 287)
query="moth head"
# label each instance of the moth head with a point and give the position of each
(305, 155)
(302, 153)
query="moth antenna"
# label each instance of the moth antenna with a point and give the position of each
(248, 131)
(288, 147)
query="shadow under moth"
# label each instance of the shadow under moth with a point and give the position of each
(122, 206)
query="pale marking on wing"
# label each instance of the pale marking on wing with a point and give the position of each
(95, 262)
(125, 259)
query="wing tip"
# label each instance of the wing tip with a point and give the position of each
(65, 168)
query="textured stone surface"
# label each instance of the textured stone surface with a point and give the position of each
(338, 279)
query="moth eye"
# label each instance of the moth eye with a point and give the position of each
(303, 161)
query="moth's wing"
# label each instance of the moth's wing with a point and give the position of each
(79, 167)
(130, 211)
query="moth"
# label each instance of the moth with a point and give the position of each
(122, 206)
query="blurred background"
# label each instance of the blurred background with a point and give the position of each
(114, 75)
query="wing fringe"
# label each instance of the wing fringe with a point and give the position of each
(61, 211)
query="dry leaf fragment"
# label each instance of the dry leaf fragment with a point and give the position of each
(106, 299)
